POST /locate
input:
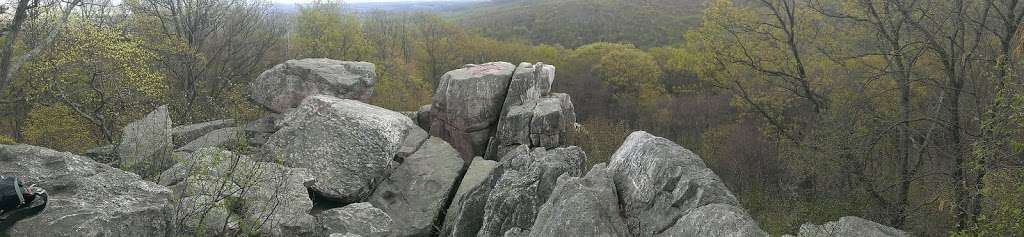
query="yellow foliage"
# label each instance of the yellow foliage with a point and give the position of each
(59, 128)
(5, 140)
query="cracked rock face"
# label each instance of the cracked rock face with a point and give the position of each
(357, 219)
(531, 114)
(348, 146)
(285, 86)
(86, 198)
(512, 195)
(467, 104)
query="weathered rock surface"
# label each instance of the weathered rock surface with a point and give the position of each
(531, 114)
(258, 131)
(357, 219)
(86, 198)
(186, 133)
(512, 195)
(849, 226)
(658, 181)
(412, 142)
(477, 173)
(285, 86)
(418, 190)
(220, 193)
(348, 145)
(218, 138)
(467, 104)
(582, 207)
(146, 144)
(716, 220)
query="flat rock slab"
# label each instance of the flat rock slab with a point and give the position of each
(186, 133)
(716, 220)
(86, 198)
(418, 190)
(218, 138)
(357, 219)
(285, 86)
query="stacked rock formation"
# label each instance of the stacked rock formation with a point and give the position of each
(495, 162)
(487, 109)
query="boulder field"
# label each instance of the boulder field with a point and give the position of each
(490, 156)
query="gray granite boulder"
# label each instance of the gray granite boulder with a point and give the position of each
(348, 145)
(258, 131)
(106, 154)
(417, 192)
(412, 142)
(584, 206)
(423, 117)
(86, 198)
(186, 133)
(658, 181)
(285, 86)
(512, 195)
(531, 114)
(849, 226)
(467, 104)
(146, 144)
(357, 219)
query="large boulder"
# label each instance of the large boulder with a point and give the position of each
(658, 181)
(357, 219)
(285, 86)
(716, 220)
(220, 193)
(418, 190)
(849, 226)
(86, 198)
(223, 137)
(186, 133)
(581, 207)
(467, 104)
(513, 194)
(348, 145)
(146, 144)
(258, 131)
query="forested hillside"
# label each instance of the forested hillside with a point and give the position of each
(905, 113)
(573, 23)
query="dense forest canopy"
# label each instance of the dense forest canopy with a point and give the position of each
(905, 112)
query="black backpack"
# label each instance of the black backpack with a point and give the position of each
(11, 190)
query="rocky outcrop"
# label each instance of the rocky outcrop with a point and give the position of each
(467, 104)
(417, 191)
(651, 187)
(512, 195)
(531, 114)
(348, 145)
(186, 133)
(658, 181)
(146, 144)
(357, 219)
(286, 85)
(218, 138)
(86, 198)
(849, 226)
(220, 193)
(106, 154)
